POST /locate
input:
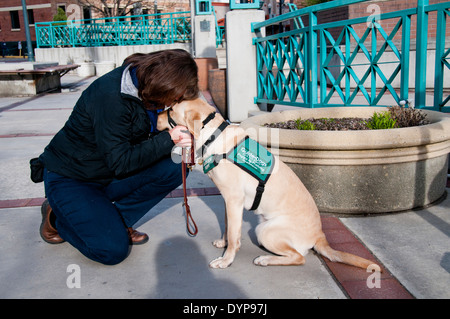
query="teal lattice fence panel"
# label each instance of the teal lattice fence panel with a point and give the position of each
(131, 30)
(442, 58)
(353, 62)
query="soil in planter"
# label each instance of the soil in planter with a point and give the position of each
(402, 117)
(323, 124)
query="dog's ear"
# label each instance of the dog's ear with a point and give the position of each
(193, 121)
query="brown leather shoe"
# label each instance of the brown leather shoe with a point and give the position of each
(137, 238)
(48, 233)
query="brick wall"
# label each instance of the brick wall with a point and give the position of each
(384, 6)
(49, 9)
(41, 14)
(373, 7)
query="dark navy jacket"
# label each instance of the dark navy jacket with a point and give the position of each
(108, 135)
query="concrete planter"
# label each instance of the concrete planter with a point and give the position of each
(104, 67)
(375, 171)
(86, 69)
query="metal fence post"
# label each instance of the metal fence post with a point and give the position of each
(439, 66)
(404, 77)
(52, 36)
(72, 33)
(311, 74)
(421, 53)
(172, 29)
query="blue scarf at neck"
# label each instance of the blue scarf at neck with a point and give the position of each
(152, 115)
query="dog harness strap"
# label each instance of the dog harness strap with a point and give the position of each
(209, 118)
(259, 192)
(211, 139)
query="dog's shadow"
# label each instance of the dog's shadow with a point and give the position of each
(183, 272)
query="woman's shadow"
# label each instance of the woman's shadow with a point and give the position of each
(183, 272)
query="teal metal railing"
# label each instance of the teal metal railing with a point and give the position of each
(331, 64)
(220, 30)
(131, 30)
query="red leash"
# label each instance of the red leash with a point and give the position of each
(188, 161)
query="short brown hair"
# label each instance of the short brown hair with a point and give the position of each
(165, 77)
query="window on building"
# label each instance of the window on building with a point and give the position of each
(87, 13)
(108, 11)
(30, 16)
(15, 23)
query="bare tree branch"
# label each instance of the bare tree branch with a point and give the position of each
(110, 8)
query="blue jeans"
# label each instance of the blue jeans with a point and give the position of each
(93, 217)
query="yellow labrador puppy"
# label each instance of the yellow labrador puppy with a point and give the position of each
(290, 221)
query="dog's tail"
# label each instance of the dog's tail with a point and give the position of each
(323, 248)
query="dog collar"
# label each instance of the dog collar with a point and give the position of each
(172, 123)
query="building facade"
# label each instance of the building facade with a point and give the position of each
(12, 27)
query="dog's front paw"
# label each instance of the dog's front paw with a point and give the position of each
(220, 243)
(219, 263)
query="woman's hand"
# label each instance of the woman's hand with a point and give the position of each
(181, 136)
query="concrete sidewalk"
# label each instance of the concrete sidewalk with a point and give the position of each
(414, 247)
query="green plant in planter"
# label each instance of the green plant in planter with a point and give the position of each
(305, 125)
(381, 121)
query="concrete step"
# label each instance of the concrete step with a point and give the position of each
(221, 53)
